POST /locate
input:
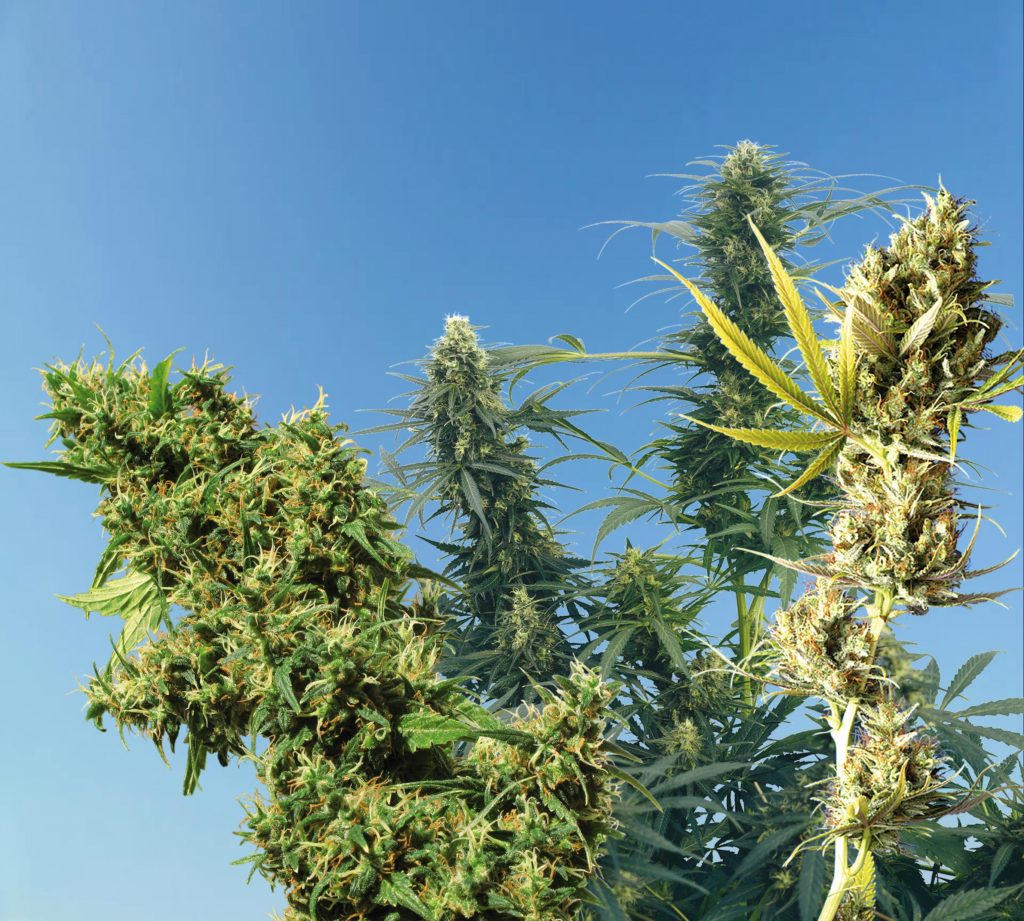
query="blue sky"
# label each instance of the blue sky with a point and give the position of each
(306, 190)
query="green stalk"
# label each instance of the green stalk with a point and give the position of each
(841, 728)
(743, 627)
(750, 623)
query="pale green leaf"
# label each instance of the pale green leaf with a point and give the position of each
(847, 369)
(993, 391)
(776, 439)
(423, 729)
(953, 426)
(965, 676)
(863, 881)
(60, 468)
(868, 327)
(819, 465)
(799, 320)
(111, 598)
(572, 341)
(135, 598)
(1004, 412)
(756, 362)
(920, 329)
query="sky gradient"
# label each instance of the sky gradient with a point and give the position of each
(306, 191)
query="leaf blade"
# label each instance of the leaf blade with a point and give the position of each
(757, 363)
(776, 439)
(799, 319)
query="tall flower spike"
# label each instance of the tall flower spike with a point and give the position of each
(515, 573)
(910, 364)
(899, 528)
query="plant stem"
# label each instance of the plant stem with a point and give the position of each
(749, 625)
(878, 613)
(743, 628)
(841, 729)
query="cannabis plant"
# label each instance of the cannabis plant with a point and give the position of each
(719, 488)
(634, 619)
(893, 397)
(387, 792)
(723, 477)
(750, 180)
(447, 746)
(515, 581)
(794, 891)
(680, 720)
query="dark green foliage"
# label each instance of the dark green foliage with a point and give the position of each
(516, 578)
(299, 650)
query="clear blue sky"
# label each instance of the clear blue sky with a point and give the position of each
(305, 190)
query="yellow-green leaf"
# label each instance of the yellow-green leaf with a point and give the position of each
(775, 439)
(994, 385)
(757, 362)
(953, 426)
(920, 329)
(864, 881)
(832, 307)
(847, 369)
(869, 327)
(135, 598)
(799, 320)
(818, 466)
(1006, 413)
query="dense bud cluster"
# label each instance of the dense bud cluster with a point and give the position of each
(750, 180)
(893, 775)
(857, 907)
(507, 557)
(819, 646)
(921, 335)
(297, 632)
(638, 582)
(526, 635)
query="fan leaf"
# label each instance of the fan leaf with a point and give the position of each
(756, 362)
(799, 320)
(776, 439)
